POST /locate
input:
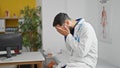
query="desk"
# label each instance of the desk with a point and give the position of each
(24, 58)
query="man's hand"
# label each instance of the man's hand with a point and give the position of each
(64, 30)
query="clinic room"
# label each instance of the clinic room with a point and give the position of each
(59, 34)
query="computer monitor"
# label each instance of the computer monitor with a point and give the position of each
(10, 41)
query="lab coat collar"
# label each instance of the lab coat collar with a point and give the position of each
(80, 20)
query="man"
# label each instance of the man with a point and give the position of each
(80, 40)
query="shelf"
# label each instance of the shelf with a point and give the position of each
(10, 24)
(9, 18)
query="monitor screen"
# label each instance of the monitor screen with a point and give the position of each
(11, 40)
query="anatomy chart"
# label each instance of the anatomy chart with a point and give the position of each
(104, 21)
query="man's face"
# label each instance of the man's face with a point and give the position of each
(64, 30)
(59, 26)
(67, 23)
(70, 28)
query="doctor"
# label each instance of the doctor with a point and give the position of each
(81, 41)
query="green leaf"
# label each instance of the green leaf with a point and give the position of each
(32, 20)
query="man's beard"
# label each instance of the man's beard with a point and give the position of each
(70, 28)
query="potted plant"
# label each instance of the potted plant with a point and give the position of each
(32, 38)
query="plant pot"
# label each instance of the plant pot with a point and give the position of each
(34, 49)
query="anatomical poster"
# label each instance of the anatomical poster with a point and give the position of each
(105, 21)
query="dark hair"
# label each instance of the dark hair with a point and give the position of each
(60, 19)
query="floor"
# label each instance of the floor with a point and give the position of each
(104, 64)
(101, 63)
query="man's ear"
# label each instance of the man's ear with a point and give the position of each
(67, 22)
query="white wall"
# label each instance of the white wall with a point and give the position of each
(38, 2)
(107, 51)
(76, 8)
(88, 9)
(51, 39)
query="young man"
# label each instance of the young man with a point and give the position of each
(80, 39)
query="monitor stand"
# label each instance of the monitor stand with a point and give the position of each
(8, 49)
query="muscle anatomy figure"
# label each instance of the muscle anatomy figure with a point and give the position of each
(104, 22)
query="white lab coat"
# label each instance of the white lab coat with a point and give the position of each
(83, 46)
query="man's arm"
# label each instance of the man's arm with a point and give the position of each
(80, 47)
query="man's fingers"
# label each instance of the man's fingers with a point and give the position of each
(59, 28)
(66, 28)
(63, 30)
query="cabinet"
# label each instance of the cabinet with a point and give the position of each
(8, 24)
(2, 25)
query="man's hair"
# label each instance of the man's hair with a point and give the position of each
(60, 19)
